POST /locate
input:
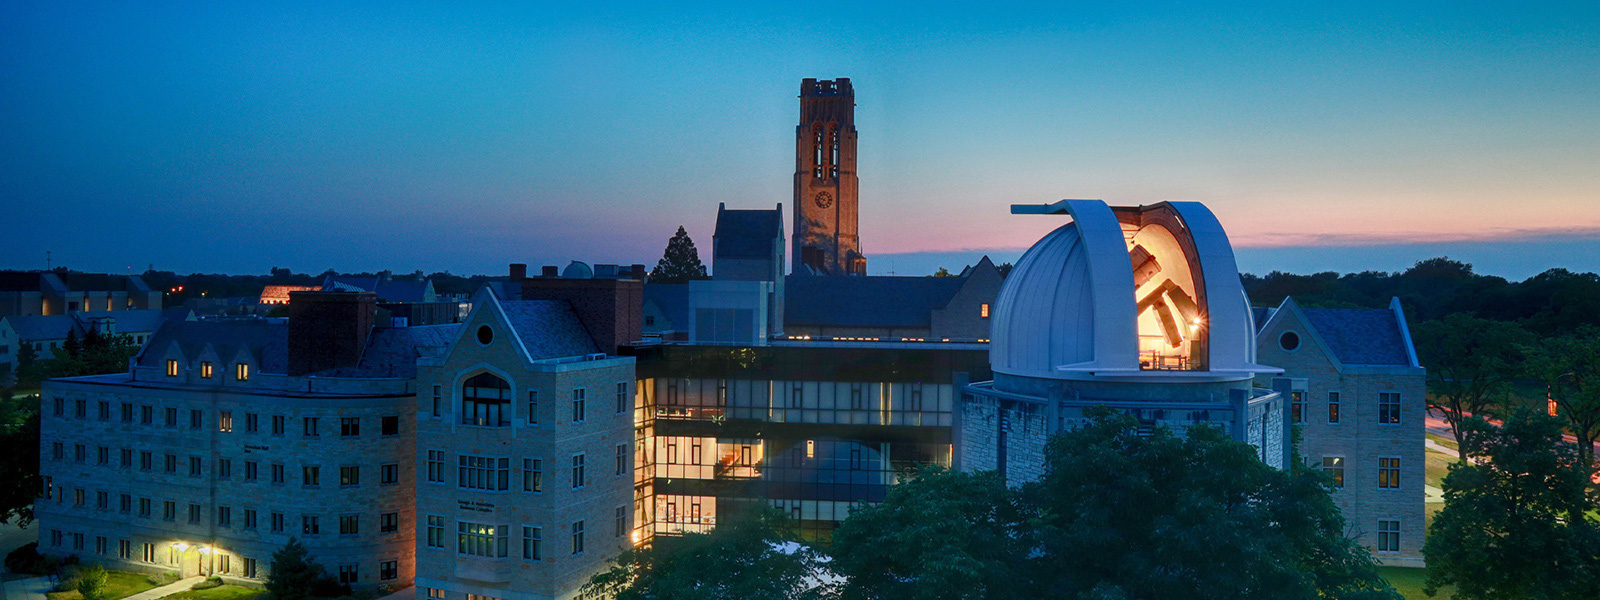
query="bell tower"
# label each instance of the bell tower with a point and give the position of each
(825, 184)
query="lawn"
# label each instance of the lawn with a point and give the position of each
(119, 584)
(222, 592)
(1408, 582)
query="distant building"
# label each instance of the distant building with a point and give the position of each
(385, 288)
(25, 293)
(45, 333)
(279, 294)
(1359, 401)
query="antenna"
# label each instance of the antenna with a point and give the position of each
(47, 260)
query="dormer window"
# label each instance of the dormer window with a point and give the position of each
(205, 369)
(172, 367)
(241, 372)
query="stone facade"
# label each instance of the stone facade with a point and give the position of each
(1349, 437)
(144, 470)
(553, 498)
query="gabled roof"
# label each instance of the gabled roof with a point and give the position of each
(402, 291)
(1360, 336)
(861, 301)
(267, 340)
(746, 233)
(547, 328)
(126, 320)
(1357, 336)
(42, 327)
(672, 299)
(387, 290)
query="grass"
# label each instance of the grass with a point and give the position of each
(222, 592)
(119, 584)
(1408, 582)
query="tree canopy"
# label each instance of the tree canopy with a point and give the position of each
(751, 555)
(1518, 523)
(1116, 515)
(1569, 365)
(1471, 362)
(680, 262)
(940, 535)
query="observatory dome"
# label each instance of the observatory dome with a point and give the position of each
(1149, 292)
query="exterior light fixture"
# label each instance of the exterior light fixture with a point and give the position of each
(205, 550)
(180, 546)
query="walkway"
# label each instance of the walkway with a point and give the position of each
(406, 593)
(32, 588)
(167, 590)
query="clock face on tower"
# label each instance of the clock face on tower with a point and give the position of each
(824, 200)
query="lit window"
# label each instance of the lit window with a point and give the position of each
(205, 369)
(480, 540)
(1297, 407)
(1334, 467)
(1389, 472)
(172, 367)
(983, 310)
(241, 372)
(1333, 407)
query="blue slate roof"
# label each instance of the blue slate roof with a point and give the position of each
(55, 327)
(267, 340)
(746, 233)
(393, 351)
(1261, 315)
(41, 327)
(672, 299)
(548, 328)
(866, 301)
(1360, 336)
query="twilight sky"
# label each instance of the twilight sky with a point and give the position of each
(225, 137)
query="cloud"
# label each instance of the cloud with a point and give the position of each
(1491, 234)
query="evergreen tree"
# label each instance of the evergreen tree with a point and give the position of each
(19, 468)
(680, 263)
(72, 345)
(293, 575)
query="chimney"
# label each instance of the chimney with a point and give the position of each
(519, 271)
(638, 272)
(610, 309)
(550, 272)
(328, 330)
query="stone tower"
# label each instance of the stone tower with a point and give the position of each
(825, 184)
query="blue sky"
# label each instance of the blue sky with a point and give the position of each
(226, 137)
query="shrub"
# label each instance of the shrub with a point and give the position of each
(162, 578)
(27, 559)
(210, 582)
(67, 580)
(91, 582)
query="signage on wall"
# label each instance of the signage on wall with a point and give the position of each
(249, 447)
(475, 506)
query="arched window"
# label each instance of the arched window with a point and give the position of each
(833, 151)
(485, 400)
(819, 158)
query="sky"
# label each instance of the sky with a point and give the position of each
(230, 137)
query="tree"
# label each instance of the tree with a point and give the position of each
(940, 535)
(1570, 366)
(1514, 524)
(1196, 516)
(19, 468)
(294, 576)
(1471, 362)
(680, 263)
(72, 346)
(92, 582)
(750, 555)
(942, 272)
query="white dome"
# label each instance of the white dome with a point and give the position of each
(1080, 304)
